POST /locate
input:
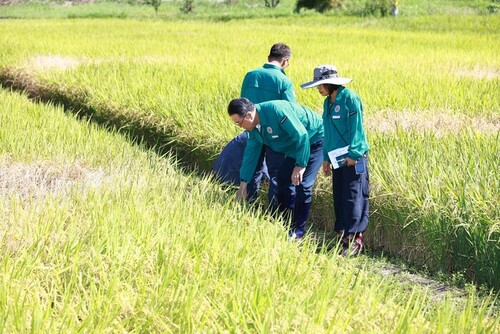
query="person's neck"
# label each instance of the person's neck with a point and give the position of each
(333, 95)
(256, 119)
(275, 62)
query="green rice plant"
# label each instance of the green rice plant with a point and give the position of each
(99, 235)
(449, 220)
(173, 80)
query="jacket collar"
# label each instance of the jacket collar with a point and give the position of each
(274, 66)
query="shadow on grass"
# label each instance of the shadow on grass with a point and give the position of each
(160, 139)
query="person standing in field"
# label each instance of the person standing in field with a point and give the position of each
(289, 129)
(265, 83)
(395, 8)
(346, 152)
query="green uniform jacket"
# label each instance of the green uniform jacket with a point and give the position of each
(343, 124)
(286, 127)
(267, 83)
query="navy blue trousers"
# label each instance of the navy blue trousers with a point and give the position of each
(350, 199)
(298, 204)
(274, 161)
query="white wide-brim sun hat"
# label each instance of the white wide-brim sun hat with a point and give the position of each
(326, 74)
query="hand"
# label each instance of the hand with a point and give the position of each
(350, 162)
(297, 174)
(241, 194)
(327, 168)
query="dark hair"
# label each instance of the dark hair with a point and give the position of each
(331, 87)
(280, 51)
(240, 106)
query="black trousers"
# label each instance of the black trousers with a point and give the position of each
(351, 193)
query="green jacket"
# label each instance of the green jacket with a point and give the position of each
(267, 83)
(286, 127)
(343, 124)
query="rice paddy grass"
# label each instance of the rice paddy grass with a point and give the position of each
(435, 185)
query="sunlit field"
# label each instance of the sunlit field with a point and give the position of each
(100, 235)
(105, 231)
(432, 109)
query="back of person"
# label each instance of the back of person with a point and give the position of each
(267, 83)
(274, 114)
(228, 163)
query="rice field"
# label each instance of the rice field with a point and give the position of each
(429, 109)
(128, 240)
(103, 235)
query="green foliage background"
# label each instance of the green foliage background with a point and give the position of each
(227, 10)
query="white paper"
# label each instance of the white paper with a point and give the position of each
(337, 156)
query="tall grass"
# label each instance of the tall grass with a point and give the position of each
(177, 77)
(437, 199)
(146, 248)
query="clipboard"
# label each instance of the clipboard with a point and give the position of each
(337, 156)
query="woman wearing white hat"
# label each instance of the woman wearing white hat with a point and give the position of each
(345, 151)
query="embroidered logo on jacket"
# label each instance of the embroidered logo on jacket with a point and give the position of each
(269, 130)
